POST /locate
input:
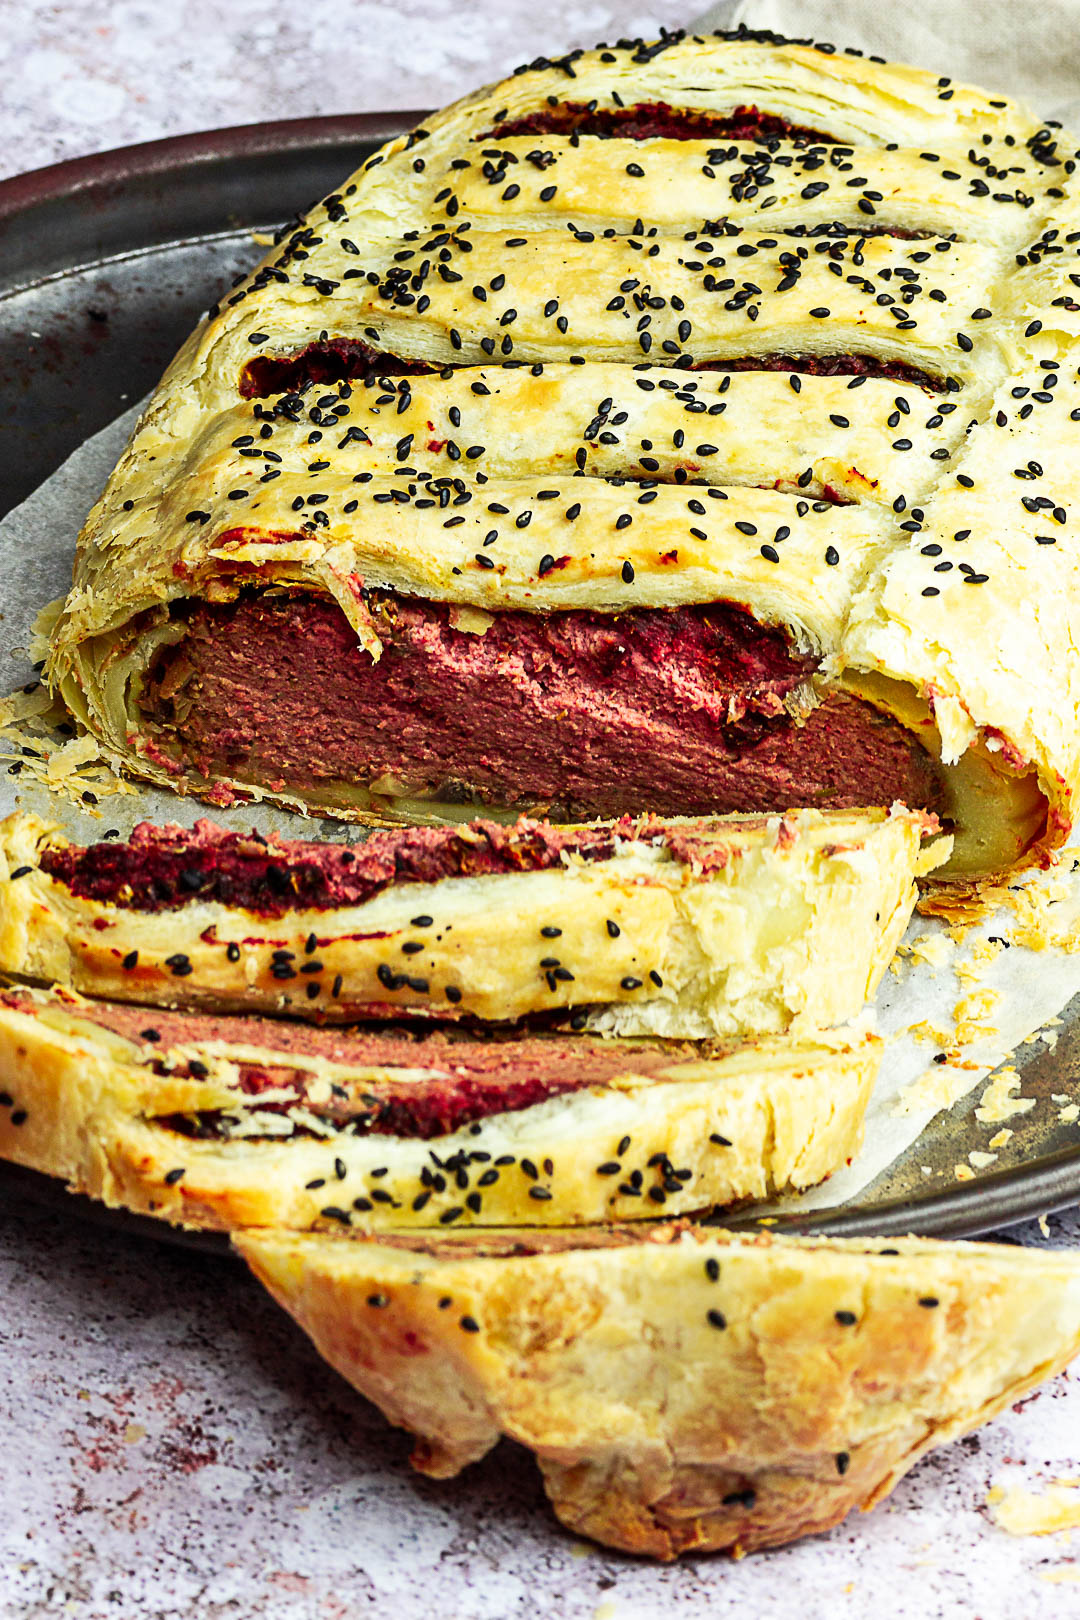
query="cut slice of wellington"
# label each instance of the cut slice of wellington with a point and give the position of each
(681, 927)
(224, 1122)
(683, 1389)
(689, 430)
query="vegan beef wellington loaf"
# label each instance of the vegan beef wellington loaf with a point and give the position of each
(683, 1390)
(674, 928)
(688, 427)
(226, 1122)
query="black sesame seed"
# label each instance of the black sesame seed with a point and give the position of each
(469, 1324)
(845, 1318)
(832, 556)
(716, 1319)
(842, 1460)
(130, 961)
(712, 1269)
(929, 1302)
(173, 1176)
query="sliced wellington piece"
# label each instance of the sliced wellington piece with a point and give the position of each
(678, 928)
(600, 447)
(683, 1389)
(230, 1122)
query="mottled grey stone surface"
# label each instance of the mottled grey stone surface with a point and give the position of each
(170, 1445)
(78, 76)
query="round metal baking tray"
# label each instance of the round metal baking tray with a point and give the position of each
(105, 265)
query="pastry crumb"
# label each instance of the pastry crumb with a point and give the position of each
(1031, 1513)
(997, 1102)
(937, 1087)
(925, 1031)
(971, 1014)
(933, 949)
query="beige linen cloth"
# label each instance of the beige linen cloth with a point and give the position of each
(1029, 50)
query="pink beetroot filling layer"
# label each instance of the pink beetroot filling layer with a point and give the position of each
(161, 868)
(577, 714)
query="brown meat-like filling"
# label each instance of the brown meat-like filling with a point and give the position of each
(686, 711)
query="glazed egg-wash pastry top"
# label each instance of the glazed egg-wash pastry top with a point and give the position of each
(689, 428)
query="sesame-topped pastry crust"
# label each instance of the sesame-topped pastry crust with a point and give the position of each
(683, 1390)
(689, 328)
(219, 1122)
(674, 928)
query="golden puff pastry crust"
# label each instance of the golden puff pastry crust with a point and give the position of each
(683, 929)
(683, 1390)
(452, 379)
(233, 1122)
